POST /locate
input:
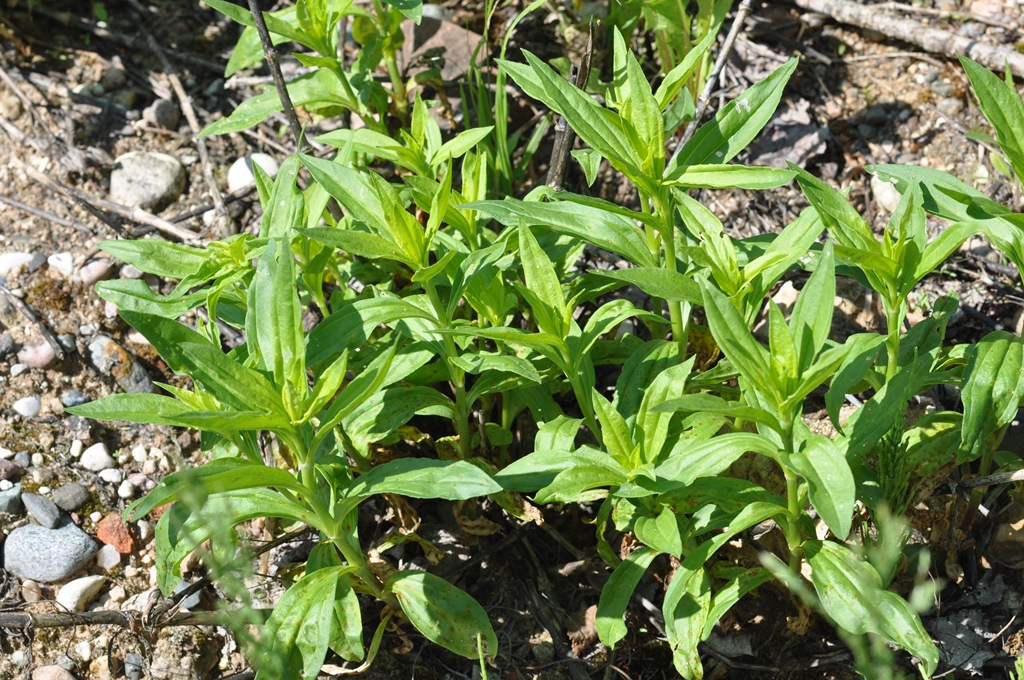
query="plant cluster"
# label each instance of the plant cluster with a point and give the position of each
(471, 311)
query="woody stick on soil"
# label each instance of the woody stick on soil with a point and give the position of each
(274, 64)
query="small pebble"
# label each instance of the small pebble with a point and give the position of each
(22, 458)
(62, 262)
(74, 398)
(94, 271)
(9, 470)
(42, 510)
(162, 114)
(37, 353)
(241, 175)
(117, 594)
(10, 497)
(10, 262)
(130, 271)
(108, 558)
(97, 458)
(70, 497)
(77, 594)
(111, 475)
(6, 344)
(113, 78)
(67, 341)
(145, 530)
(52, 673)
(42, 475)
(84, 650)
(132, 666)
(44, 489)
(31, 591)
(76, 448)
(126, 490)
(6, 484)
(48, 555)
(18, 369)
(28, 407)
(139, 454)
(96, 516)
(37, 459)
(950, 106)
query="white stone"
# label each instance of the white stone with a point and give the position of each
(77, 594)
(111, 475)
(44, 490)
(108, 558)
(96, 516)
(149, 467)
(139, 454)
(76, 448)
(84, 650)
(11, 261)
(96, 458)
(126, 490)
(130, 271)
(885, 193)
(240, 174)
(18, 369)
(97, 270)
(5, 485)
(37, 459)
(6, 453)
(28, 407)
(62, 262)
(145, 530)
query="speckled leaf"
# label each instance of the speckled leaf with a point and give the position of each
(443, 613)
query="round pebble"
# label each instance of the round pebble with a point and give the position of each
(111, 475)
(97, 270)
(31, 591)
(47, 555)
(97, 458)
(37, 353)
(76, 595)
(28, 407)
(62, 262)
(18, 369)
(107, 558)
(241, 175)
(70, 497)
(126, 490)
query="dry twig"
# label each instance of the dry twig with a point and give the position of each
(564, 136)
(934, 40)
(274, 63)
(712, 82)
(27, 312)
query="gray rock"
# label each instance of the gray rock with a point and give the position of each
(114, 78)
(28, 407)
(42, 510)
(47, 555)
(6, 345)
(97, 458)
(146, 180)
(22, 458)
(866, 131)
(950, 106)
(190, 602)
(18, 369)
(71, 496)
(876, 115)
(10, 470)
(133, 666)
(73, 398)
(112, 359)
(67, 341)
(10, 500)
(162, 114)
(942, 88)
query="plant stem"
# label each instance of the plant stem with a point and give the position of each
(457, 375)
(391, 59)
(270, 54)
(794, 539)
(665, 208)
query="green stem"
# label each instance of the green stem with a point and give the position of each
(457, 375)
(794, 539)
(679, 322)
(391, 60)
(893, 321)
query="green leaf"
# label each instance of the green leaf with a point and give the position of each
(991, 389)
(811, 321)
(651, 425)
(733, 336)
(159, 257)
(639, 371)
(592, 224)
(538, 469)
(569, 485)
(361, 243)
(548, 303)
(832, 488)
(686, 606)
(424, 478)
(663, 532)
(615, 595)
(1003, 108)
(444, 614)
(228, 381)
(721, 176)
(850, 591)
(737, 123)
(590, 161)
(351, 326)
(319, 87)
(708, 403)
(382, 413)
(606, 317)
(941, 247)
(277, 317)
(657, 282)
(614, 431)
(675, 79)
(460, 144)
(843, 222)
(133, 295)
(711, 457)
(598, 127)
(851, 373)
(412, 9)
(732, 592)
(302, 619)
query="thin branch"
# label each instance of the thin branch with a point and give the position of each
(941, 14)
(27, 312)
(991, 480)
(564, 135)
(274, 63)
(48, 216)
(186, 107)
(709, 87)
(25, 620)
(897, 55)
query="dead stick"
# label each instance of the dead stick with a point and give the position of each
(992, 480)
(931, 39)
(186, 107)
(49, 217)
(899, 7)
(27, 312)
(564, 135)
(99, 618)
(709, 87)
(270, 54)
(234, 196)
